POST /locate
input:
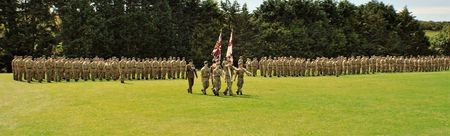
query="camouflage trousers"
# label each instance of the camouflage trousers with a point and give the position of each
(228, 90)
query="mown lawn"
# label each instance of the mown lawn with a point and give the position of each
(380, 104)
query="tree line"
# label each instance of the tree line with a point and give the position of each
(163, 28)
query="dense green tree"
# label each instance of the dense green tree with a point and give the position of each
(29, 27)
(441, 42)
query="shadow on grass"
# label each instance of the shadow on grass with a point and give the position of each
(227, 96)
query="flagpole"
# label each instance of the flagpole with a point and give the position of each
(231, 55)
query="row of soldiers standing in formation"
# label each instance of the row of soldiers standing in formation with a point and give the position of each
(60, 68)
(321, 66)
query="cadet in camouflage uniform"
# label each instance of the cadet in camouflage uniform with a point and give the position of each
(183, 68)
(123, 69)
(190, 72)
(147, 69)
(217, 73)
(108, 70)
(255, 65)
(85, 67)
(176, 67)
(101, 71)
(164, 67)
(20, 68)
(240, 75)
(14, 68)
(139, 69)
(261, 66)
(77, 69)
(269, 67)
(248, 64)
(59, 65)
(115, 69)
(154, 68)
(229, 70)
(206, 75)
(172, 68)
(40, 69)
(29, 64)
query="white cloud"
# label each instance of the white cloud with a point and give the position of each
(430, 10)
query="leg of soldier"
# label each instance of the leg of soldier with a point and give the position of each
(19, 74)
(169, 74)
(15, 74)
(240, 84)
(129, 73)
(205, 86)
(133, 75)
(122, 76)
(141, 74)
(154, 74)
(92, 73)
(28, 76)
(217, 86)
(190, 83)
(88, 75)
(77, 75)
(229, 89)
(138, 74)
(48, 74)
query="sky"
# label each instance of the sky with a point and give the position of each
(434, 10)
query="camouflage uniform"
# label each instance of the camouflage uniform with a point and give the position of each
(217, 73)
(206, 74)
(240, 75)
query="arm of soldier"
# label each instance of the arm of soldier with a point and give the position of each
(195, 72)
(247, 72)
(234, 68)
(234, 78)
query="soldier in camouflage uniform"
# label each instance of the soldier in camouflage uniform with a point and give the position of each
(41, 69)
(115, 69)
(20, 68)
(206, 75)
(123, 69)
(29, 64)
(229, 71)
(14, 68)
(183, 68)
(240, 75)
(248, 64)
(217, 73)
(139, 69)
(176, 68)
(269, 67)
(190, 72)
(85, 67)
(261, 66)
(255, 65)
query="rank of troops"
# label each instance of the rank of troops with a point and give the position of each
(301, 67)
(59, 69)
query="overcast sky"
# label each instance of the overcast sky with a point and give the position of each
(435, 10)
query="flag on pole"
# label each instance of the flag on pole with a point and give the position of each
(230, 48)
(217, 48)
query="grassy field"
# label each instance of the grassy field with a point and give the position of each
(381, 104)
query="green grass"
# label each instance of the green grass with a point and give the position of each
(381, 104)
(430, 33)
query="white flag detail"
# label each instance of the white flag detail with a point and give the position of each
(230, 48)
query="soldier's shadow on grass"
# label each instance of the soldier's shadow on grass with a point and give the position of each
(247, 96)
